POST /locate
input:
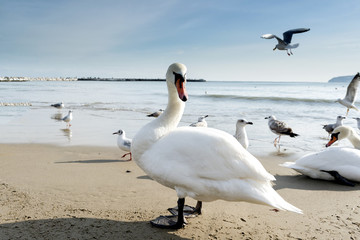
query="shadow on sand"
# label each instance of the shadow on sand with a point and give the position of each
(95, 161)
(82, 228)
(305, 183)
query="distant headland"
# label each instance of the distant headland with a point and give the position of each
(28, 79)
(341, 79)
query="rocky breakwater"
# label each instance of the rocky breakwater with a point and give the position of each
(27, 79)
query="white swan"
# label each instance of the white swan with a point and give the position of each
(240, 133)
(203, 163)
(339, 164)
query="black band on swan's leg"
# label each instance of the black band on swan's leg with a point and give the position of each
(173, 222)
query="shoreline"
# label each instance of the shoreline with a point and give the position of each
(70, 79)
(82, 192)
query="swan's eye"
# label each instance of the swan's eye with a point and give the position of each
(179, 77)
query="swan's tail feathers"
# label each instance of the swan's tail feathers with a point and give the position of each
(284, 205)
(278, 202)
(263, 193)
(288, 164)
(294, 166)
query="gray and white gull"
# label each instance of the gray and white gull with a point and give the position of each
(351, 92)
(284, 44)
(330, 127)
(68, 118)
(279, 128)
(156, 114)
(124, 143)
(200, 123)
(240, 133)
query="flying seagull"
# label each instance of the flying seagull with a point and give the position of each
(349, 99)
(284, 44)
(279, 128)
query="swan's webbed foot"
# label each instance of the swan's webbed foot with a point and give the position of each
(340, 179)
(189, 211)
(170, 222)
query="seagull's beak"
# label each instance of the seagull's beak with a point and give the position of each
(332, 140)
(274, 49)
(115, 133)
(251, 123)
(180, 86)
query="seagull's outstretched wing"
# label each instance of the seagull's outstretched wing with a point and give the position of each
(352, 89)
(270, 36)
(288, 34)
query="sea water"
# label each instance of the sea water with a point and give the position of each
(101, 108)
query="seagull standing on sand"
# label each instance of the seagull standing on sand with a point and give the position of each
(124, 143)
(349, 99)
(330, 127)
(279, 128)
(284, 44)
(58, 105)
(240, 133)
(156, 114)
(200, 123)
(68, 118)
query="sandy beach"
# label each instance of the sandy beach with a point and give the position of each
(78, 192)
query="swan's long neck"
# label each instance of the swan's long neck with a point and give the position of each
(354, 138)
(159, 127)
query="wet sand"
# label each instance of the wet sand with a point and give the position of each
(79, 192)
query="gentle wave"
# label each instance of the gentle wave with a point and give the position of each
(268, 98)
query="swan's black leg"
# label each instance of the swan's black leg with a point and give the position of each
(340, 179)
(189, 211)
(198, 207)
(170, 221)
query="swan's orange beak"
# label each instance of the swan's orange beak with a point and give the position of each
(332, 140)
(180, 86)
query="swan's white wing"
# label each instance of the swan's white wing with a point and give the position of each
(207, 164)
(346, 161)
(204, 153)
(352, 89)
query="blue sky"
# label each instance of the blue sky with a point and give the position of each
(217, 40)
